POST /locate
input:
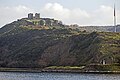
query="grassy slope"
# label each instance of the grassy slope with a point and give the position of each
(110, 45)
(25, 47)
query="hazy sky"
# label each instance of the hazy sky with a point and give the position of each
(82, 12)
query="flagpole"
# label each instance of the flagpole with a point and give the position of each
(115, 19)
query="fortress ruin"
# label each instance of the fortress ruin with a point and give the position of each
(37, 16)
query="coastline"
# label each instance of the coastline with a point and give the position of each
(55, 71)
(79, 71)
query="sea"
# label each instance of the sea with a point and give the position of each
(56, 76)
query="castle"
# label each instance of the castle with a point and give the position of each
(37, 20)
(37, 16)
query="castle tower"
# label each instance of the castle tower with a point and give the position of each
(30, 16)
(37, 15)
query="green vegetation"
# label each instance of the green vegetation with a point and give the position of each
(22, 46)
(110, 45)
(66, 67)
(106, 67)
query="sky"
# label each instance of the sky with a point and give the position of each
(81, 12)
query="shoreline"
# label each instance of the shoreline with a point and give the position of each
(86, 72)
(56, 71)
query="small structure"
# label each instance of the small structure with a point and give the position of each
(37, 15)
(103, 62)
(30, 16)
(106, 60)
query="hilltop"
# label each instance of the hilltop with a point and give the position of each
(36, 22)
(25, 45)
(33, 22)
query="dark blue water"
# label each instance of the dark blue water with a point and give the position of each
(56, 76)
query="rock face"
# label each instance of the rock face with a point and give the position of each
(27, 47)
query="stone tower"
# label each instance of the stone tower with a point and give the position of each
(37, 15)
(30, 16)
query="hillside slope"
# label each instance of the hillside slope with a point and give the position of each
(24, 47)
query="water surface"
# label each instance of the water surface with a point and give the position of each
(56, 76)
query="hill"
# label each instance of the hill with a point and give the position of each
(96, 28)
(23, 46)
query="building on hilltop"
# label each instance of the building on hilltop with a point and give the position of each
(37, 15)
(30, 16)
(36, 20)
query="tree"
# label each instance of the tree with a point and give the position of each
(41, 22)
